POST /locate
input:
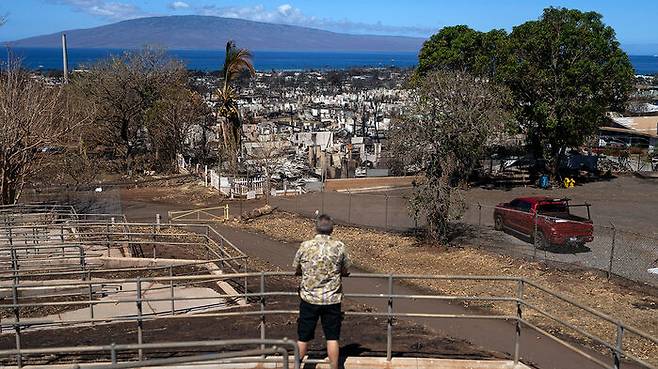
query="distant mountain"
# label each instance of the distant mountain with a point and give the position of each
(205, 32)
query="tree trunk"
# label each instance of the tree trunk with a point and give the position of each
(4, 187)
(8, 185)
(557, 156)
(266, 190)
(127, 145)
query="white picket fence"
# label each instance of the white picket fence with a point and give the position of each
(229, 186)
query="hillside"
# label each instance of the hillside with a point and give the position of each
(206, 32)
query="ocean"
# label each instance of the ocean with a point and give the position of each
(210, 60)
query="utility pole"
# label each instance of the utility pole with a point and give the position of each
(65, 57)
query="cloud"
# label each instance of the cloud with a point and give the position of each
(111, 10)
(178, 5)
(115, 10)
(288, 14)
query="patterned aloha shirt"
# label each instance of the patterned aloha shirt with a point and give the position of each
(321, 261)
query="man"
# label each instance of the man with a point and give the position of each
(322, 262)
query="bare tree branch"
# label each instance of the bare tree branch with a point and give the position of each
(36, 117)
(455, 116)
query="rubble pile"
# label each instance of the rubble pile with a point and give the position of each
(605, 164)
(303, 127)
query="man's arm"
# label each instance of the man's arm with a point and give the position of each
(296, 264)
(346, 264)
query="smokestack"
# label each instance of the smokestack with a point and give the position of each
(65, 57)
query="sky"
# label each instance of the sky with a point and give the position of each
(635, 24)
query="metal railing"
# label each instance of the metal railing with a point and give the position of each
(36, 207)
(281, 347)
(24, 244)
(200, 215)
(35, 213)
(518, 297)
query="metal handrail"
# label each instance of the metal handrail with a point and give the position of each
(209, 229)
(277, 347)
(596, 313)
(90, 271)
(109, 235)
(519, 300)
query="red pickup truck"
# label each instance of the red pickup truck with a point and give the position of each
(549, 218)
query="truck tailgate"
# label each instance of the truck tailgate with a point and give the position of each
(571, 228)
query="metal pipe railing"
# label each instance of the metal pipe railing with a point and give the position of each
(89, 269)
(516, 298)
(277, 346)
(103, 234)
(103, 225)
(93, 231)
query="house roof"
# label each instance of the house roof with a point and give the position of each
(645, 124)
(627, 131)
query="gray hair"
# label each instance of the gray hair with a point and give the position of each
(324, 224)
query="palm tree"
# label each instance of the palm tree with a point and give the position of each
(235, 62)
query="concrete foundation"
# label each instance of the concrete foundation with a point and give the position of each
(350, 363)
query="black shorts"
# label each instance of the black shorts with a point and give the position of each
(331, 318)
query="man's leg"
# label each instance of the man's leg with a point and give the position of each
(331, 323)
(333, 351)
(303, 349)
(308, 319)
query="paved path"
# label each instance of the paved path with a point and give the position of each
(490, 334)
(119, 301)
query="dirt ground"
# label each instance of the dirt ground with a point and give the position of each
(375, 251)
(628, 203)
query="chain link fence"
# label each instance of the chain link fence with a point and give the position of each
(379, 211)
(612, 249)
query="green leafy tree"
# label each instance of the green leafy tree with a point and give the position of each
(461, 48)
(567, 72)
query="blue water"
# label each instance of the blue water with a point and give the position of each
(209, 60)
(645, 64)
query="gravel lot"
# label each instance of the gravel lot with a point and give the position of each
(630, 203)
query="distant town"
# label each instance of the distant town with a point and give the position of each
(307, 126)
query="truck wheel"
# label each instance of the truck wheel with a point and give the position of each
(498, 223)
(540, 241)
